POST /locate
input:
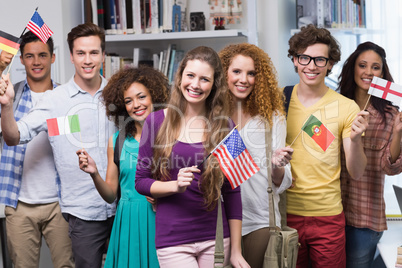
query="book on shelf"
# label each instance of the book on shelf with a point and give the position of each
(142, 56)
(399, 257)
(167, 59)
(155, 58)
(161, 56)
(179, 55)
(100, 13)
(171, 64)
(129, 17)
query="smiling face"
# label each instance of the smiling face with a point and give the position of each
(310, 74)
(138, 102)
(197, 81)
(37, 61)
(241, 77)
(368, 64)
(87, 57)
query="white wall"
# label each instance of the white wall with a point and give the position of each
(275, 19)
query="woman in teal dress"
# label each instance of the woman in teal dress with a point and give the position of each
(129, 97)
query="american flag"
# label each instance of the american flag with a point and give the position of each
(234, 159)
(39, 28)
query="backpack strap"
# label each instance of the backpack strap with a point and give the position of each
(288, 94)
(118, 146)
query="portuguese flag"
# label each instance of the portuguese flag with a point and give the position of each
(318, 132)
(9, 43)
(63, 125)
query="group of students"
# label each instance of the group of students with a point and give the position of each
(166, 186)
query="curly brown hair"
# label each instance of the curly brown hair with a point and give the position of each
(310, 35)
(266, 98)
(217, 114)
(113, 94)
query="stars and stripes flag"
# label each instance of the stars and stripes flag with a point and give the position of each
(9, 43)
(387, 90)
(39, 28)
(63, 125)
(234, 159)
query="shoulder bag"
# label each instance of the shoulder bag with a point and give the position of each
(219, 255)
(283, 243)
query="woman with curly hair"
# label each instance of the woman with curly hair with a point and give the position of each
(256, 102)
(363, 199)
(129, 97)
(174, 142)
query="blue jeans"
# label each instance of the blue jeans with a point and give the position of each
(361, 244)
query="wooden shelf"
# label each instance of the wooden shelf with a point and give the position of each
(175, 35)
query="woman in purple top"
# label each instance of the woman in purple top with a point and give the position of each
(174, 142)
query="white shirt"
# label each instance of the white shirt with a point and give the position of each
(254, 193)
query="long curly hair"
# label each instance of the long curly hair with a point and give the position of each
(347, 84)
(113, 94)
(310, 35)
(217, 116)
(266, 98)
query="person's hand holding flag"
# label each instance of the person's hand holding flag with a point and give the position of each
(359, 125)
(6, 90)
(5, 60)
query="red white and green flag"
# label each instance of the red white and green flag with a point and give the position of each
(318, 132)
(387, 90)
(63, 125)
(9, 43)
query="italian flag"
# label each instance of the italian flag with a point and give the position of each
(318, 132)
(63, 125)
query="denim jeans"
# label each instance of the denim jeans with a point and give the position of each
(361, 244)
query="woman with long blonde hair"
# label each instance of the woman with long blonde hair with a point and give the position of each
(170, 168)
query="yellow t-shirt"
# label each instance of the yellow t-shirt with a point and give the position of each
(317, 189)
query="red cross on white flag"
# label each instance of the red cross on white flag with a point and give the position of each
(384, 89)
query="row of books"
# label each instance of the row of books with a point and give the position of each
(136, 16)
(332, 13)
(166, 61)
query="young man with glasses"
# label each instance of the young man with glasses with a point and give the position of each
(314, 204)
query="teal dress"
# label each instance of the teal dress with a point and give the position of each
(132, 241)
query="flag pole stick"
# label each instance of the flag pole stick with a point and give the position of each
(225, 138)
(11, 63)
(12, 60)
(365, 106)
(36, 9)
(295, 138)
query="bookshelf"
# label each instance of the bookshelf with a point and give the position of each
(176, 36)
(157, 42)
(340, 14)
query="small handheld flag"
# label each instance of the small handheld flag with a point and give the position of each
(63, 125)
(39, 28)
(387, 90)
(9, 43)
(318, 132)
(234, 159)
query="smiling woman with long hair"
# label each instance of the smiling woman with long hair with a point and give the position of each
(174, 142)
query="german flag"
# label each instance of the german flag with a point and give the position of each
(9, 43)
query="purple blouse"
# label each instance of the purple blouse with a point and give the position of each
(182, 218)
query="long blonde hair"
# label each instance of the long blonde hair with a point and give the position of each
(217, 114)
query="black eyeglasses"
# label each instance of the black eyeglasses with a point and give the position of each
(318, 61)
